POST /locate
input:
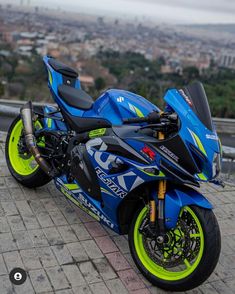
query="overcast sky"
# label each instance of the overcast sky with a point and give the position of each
(173, 11)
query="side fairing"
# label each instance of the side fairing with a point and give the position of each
(114, 186)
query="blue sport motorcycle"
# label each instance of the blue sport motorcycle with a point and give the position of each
(131, 166)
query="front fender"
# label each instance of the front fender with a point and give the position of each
(177, 198)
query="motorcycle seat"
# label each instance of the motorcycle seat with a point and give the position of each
(63, 68)
(75, 97)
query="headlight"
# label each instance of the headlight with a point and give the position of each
(216, 168)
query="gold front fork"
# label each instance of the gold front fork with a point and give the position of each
(161, 200)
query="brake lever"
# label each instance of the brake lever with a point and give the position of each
(160, 126)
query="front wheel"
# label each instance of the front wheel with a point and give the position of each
(188, 255)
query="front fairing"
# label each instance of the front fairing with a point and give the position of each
(200, 141)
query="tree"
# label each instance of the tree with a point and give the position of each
(100, 84)
(2, 90)
(190, 73)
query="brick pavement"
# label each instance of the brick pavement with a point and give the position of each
(64, 251)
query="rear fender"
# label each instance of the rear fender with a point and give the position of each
(179, 197)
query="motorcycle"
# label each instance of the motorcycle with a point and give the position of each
(131, 166)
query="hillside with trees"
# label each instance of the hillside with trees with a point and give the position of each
(25, 78)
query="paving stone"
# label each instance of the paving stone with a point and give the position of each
(131, 262)
(23, 240)
(144, 280)
(67, 291)
(24, 207)
(89, 272)
(49, 204)
(143, 291)
(83, 216)
(67, 234)
(25, 288)
(60, 201)
(2, 212)
(207, 289)
(104, 269)
(122, 244)
(16, 223)
(52, 190)
(29, 194)
(81, 232)
(62, 254)
(46, 256)
(131, 280)
(12, 260)
(44, 219)
(31, 222)
(36, 206)
(11, 182)
(228, 261)
(2, 182)
(106, 244)
(30, 259)
(16, 194)
(95, 229)
(9, 208)
(117, 261)
(230, 282)
(92, 249)
(116, 286)
(82, 290)
(77, 251)
(7, 242)
(70, 215)
(53, 236)
(4, 227)
(57, 217)
(73, 275)
(40, 281)
(5, 195)
(43, 192)
(38, 238)
(221, 287)
(99, 288)
(155, 290)
(3, 269)
(6, 285)
(57, 278)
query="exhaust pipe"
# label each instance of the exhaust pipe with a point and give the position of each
(26, 115)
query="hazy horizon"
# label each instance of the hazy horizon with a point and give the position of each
(174, 11)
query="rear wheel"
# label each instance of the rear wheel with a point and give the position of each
(186, 258)
(20, 162)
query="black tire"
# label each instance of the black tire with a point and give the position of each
(37, 179)
(212, 247)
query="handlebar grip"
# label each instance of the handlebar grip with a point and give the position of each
(135, 120)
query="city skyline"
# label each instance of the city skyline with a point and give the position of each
(174, 11)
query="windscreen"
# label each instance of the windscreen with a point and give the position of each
(195, 96)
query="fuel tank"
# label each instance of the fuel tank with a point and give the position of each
(114, 105)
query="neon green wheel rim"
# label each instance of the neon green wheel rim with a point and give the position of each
(153, 267)
(21, 166)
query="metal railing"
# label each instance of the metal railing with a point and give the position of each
(11, 108)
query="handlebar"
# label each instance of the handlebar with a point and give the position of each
(153, 117)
